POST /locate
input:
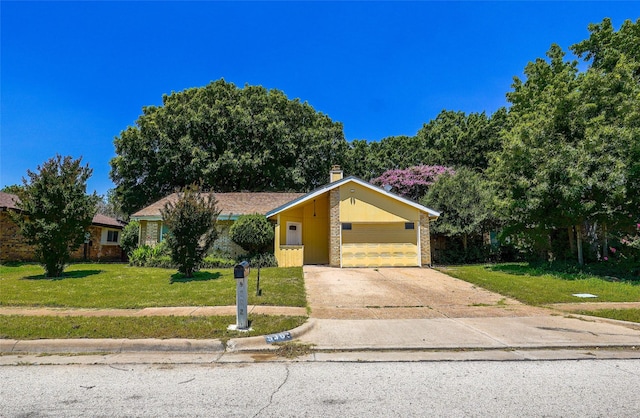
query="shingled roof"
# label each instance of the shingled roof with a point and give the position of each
(8, 201)
(231, 205)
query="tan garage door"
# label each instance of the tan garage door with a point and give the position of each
(380, 245)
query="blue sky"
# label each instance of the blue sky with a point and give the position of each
(75, 74)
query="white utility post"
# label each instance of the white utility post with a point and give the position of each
(241, 274)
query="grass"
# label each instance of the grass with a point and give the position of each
(122, 286)
(535, 286)
(631, 315)
(193, 327)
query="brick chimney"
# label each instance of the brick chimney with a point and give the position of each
(335, 174)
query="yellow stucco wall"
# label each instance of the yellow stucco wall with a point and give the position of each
(314, 217)
(315, 231)
(360, 204)
(378, 236)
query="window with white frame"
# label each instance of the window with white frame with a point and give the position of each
(112, 236)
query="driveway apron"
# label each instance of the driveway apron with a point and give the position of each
(402, 293)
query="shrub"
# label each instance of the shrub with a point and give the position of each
(147, 256)
(140, 255)
(130, 235)
(192, 222)
(254, 233)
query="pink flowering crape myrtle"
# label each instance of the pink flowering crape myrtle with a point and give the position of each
(412, 182)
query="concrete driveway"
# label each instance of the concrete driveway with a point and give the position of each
(402, 293)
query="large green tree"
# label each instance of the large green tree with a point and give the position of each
(570, 155)
(191, 221)
(226, 139)
(56, 211)
(610, 106)
(465, 199)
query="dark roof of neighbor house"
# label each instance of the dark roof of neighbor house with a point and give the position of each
(103, 220)
(230, 205)
(8, 201)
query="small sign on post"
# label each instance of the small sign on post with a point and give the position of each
(241, 274)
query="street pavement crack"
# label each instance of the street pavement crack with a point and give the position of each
(286, 378)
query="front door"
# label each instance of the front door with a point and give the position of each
(294, 233)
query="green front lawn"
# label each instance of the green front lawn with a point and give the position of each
(631, 315)
(198, 327)
(122, 286)
(533, 286)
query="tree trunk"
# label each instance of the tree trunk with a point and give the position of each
(579, 241)
(572, 240)
(605, 242)
(464, 242)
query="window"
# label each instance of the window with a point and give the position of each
(112, 236)
(409, 225)
(346, 226)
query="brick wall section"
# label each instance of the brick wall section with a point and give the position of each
(14, 248)
(12, 245)
(334, 227)
(96, 251)
(425, 239)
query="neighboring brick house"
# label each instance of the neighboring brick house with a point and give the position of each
(230, 205)
(103, 237)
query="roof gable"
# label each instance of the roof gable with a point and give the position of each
(311, 195)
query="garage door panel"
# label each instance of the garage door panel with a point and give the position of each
(378, 234)
(379, 255)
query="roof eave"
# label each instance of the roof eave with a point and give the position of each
(432, 213)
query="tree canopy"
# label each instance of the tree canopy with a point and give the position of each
(226, 139)
(452, 139)
(465, 199)
(571, 153)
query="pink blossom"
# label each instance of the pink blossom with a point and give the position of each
(613, 250)
(412, 182)
(606, 258)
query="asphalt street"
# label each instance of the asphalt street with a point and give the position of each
(585, 388)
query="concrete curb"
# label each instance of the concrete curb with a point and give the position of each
(122, 345)
(259, 343)
(108, 345)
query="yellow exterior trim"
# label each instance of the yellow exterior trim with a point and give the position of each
(361, 204)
